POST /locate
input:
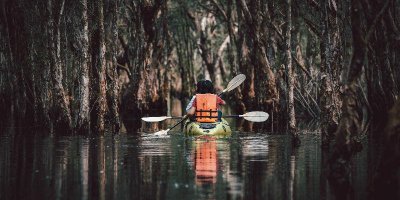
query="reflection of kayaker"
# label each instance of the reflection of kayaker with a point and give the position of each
(206, 161)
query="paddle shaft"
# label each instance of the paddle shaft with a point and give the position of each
(232, 116)
(183, 119)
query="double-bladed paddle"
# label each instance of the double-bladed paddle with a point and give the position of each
(235, 82)
(253, 116)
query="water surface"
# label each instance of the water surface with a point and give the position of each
(244, 166)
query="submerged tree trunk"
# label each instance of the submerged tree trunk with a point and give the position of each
(382, 73)
(143, 94)
(329, 44)
(206, 31)
(40, 46)
(186, 44)
(237, 97)
(349, 126)
(6, 89)
(98, 96)
(113, 90)
(290, 72)
(60, 112)
(260, 91)
(83, 114)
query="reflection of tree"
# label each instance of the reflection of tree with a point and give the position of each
(323, 187)
(60, 165)
(206, 161)
(102, 168)
(255, 152)
(115, 151)
(292, 174)
(84, 166)
(97, 178)
(386, 180)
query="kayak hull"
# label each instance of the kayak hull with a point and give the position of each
(221, 128)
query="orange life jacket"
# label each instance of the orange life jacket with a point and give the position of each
(206, 108)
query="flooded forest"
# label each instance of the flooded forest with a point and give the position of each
(95, 67)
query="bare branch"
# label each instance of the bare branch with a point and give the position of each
(314, 28)
(220, 10)
(246, 12)
(302, 67)
(119, 66)
(378, 16)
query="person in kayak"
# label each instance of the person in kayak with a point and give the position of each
(205, 105)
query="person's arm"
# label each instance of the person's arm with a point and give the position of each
(191, 111)
(190, 104)
(191, 108)
(220, 101)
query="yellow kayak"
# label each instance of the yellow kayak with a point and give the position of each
(221, 128)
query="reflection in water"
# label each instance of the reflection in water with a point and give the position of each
(244, 166)
(84, 162)
(209, 159)
(206, 161)
(255, 150)
(292, 176)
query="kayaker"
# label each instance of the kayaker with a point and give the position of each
(208, 110)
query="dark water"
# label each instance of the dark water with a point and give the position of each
(245, 166)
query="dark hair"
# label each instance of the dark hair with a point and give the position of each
(205, 86)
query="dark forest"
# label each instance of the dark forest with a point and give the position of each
(95, 66)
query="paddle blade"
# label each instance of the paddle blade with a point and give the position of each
(155, 119)
(256, 116)
(236, 81)
(162, 132)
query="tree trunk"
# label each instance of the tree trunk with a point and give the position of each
(143, 93)
(114, 89)
(98, 96)
(329, 101)
(187, 73)
(7, 90)
(185, 45)
(60, 111)
(290, 72)
(40, 49)
(261, 91)
(206, 52)
(243, 59)
(82, 40)
(349, 126)
(381, 74)
(237, 98)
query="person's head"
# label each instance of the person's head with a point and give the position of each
(204, 86)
